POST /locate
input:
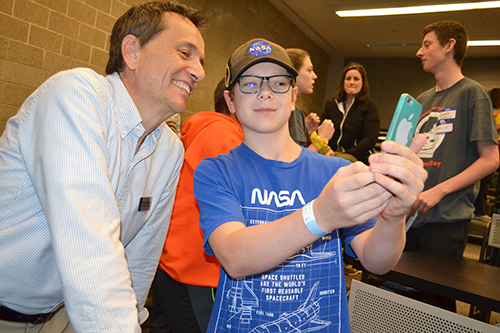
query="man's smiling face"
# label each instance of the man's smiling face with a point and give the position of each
(170, 66)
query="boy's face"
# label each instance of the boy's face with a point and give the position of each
(264, 112)
(432, 54)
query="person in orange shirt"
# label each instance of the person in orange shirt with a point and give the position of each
(186, 277)
(495, 100)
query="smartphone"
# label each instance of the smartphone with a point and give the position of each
(404, 121)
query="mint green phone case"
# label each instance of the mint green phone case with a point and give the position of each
(405, 119)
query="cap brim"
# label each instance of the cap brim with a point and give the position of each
(290, 69)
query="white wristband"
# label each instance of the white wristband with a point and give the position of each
(310, 220)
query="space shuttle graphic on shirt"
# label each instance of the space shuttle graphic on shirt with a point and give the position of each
(306, 313)
(311, 253)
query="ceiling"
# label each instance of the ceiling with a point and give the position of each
(349, 36)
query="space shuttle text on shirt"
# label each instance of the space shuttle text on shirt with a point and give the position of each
(281, 199)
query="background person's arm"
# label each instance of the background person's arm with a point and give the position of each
(486, 164)
(325, 132)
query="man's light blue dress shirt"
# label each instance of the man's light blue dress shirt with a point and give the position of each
(70, 186)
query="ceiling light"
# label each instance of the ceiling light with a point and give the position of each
(469, 43)
(483, 43)
(418, 9)
(392, 45)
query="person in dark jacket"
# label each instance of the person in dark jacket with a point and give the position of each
(354, 114)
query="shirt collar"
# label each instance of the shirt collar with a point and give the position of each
(129, 119)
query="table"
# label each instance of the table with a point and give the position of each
(461, 279)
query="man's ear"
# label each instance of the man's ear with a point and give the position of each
(131, 48)
(229, 102)
(450, 46)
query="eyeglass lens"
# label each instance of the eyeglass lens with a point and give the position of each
(250, 84)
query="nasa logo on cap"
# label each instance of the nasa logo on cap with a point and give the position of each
(259, 49)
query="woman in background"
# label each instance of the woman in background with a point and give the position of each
(301, 128)
(354, 115)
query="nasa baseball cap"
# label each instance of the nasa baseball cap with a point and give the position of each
(253, 52)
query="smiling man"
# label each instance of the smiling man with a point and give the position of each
(89, 171)
(461, 147)
(274, 212)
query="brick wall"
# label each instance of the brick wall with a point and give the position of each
(41, 37)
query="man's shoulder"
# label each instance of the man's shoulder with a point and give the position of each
(475, 87)
(466, 90)
(465, 84)
(426, 94)
(80, 73)
(74, 81)
(467, 81)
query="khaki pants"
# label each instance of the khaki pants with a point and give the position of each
(59, 323)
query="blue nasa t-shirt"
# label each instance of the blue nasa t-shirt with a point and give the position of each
(307, 291)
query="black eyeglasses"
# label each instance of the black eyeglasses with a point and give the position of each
(251, 84)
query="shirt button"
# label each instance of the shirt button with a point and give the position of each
(123, 132)
(119, 204)
(137, 129)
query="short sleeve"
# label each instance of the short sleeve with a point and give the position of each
(217, 201)
(483, 121)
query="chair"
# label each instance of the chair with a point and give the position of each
(381, 138)
(374, 310)
(490, 254)
(490, 246)
(494, 240)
